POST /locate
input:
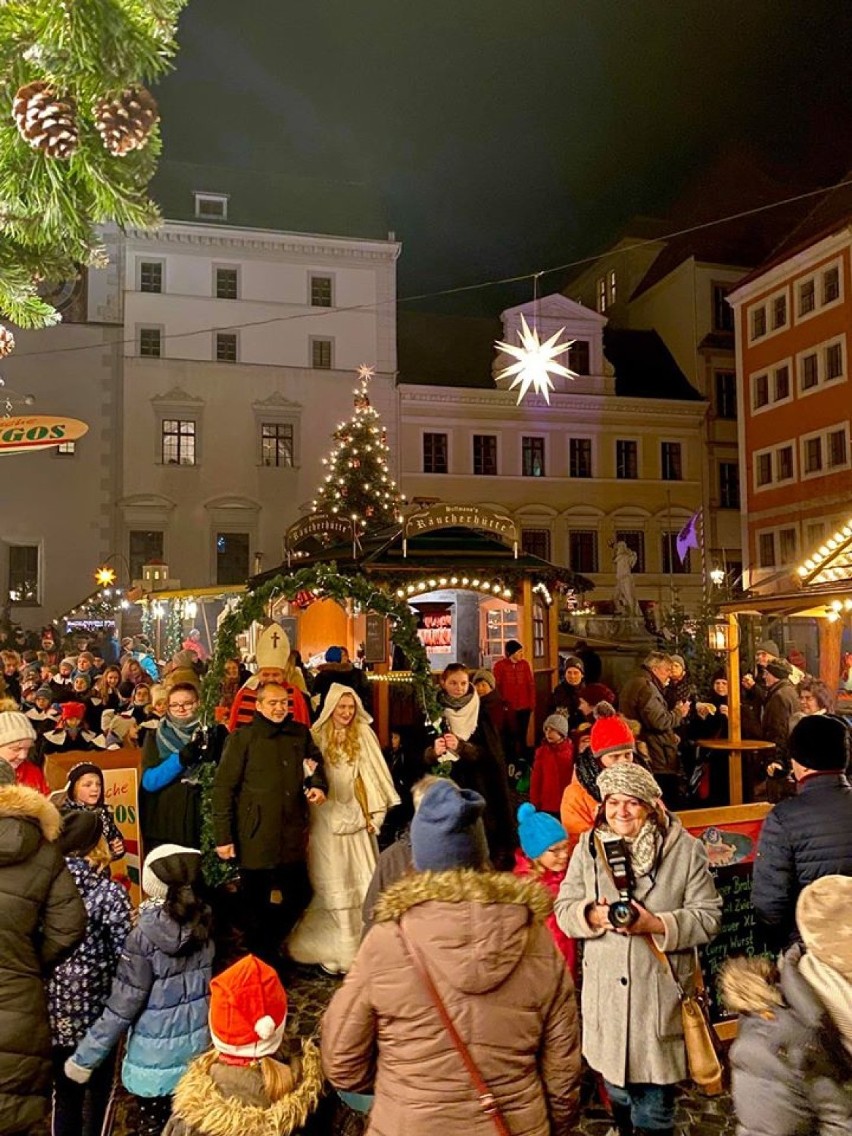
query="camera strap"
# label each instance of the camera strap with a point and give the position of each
(666, 964)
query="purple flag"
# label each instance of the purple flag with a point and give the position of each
(688, 536)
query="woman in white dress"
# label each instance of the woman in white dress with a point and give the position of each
(342, 849)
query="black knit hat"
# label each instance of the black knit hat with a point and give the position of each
(80, 770)
(512, 647)
(81, 831)
(820, 741)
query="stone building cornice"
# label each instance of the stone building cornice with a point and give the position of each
(310, 246)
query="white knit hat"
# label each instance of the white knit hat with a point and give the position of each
(169, 864)
(15, 727)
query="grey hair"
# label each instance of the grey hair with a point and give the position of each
(657, 658)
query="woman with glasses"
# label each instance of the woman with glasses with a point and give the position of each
(170, 801)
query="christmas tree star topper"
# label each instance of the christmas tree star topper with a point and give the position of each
(366, 372)
(535, 361)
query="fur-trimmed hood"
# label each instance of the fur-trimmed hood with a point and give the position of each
(200, 1106)
(461, 885)
(750, 986)
(26, 817)
(473, 926)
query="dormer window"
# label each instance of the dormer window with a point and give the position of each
(211, 206)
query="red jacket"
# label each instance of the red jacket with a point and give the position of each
(30, 775)
(553, 768)
(552, 881)
(515, 683)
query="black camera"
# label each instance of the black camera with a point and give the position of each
(622, 913)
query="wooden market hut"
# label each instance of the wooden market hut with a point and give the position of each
(461, 570)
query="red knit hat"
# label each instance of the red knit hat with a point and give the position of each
(610, 731)
(73, 710)
(248, 1009)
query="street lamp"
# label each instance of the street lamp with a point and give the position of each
(717, 575)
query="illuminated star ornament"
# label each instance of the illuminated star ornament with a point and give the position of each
(366, 372)
(536, 361)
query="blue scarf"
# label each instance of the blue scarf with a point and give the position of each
(172, 737)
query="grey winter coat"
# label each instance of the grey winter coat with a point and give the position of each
(642, 699)
(42, 919)
(790, 1071)
(631, 1011)
(782, 702)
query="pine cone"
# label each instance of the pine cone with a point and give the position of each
(7, 341)
(126, 121)
(46, 122)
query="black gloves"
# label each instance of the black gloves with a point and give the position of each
(193, 752)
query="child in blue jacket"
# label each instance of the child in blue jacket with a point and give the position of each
(161, 990)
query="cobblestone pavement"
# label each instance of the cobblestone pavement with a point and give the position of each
(308, 993)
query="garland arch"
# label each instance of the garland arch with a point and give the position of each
(325, 582)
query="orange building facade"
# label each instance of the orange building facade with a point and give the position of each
(793, 320)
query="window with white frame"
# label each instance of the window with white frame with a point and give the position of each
(532, 456)
(322, 292)
(226, 347)
(781, 383)
(276, 444)
(785, 469)
(760, 391)
(831, 284)
(435, 453)
(757, 322)
(812, 455)
(211, 206)
(763, 469)
(485, 455)
(807, 296)
(809, 371)
(837, 447)
(322, 358)
(150, 276)
(834, 361)
(787, 545)
(612, 287)
(151, 342)
(766, 549)
(178, 441)
(227, 282)
(778, 307)
(600, 288)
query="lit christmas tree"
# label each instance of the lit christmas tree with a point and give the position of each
(358, 483)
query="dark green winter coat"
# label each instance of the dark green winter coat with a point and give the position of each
(259, 800)
(42, 919)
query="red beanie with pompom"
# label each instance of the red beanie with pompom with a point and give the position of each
(610, 731)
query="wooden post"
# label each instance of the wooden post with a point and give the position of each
(830, 638)
(735, 757)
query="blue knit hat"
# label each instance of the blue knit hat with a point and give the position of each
(538, 831)
(447, 831)
(334, 655)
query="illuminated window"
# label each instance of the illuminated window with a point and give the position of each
(23, 579)
(178, 440)
(276, 444)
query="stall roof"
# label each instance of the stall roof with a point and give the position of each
(458, 549)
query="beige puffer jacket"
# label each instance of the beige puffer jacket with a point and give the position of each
(505, 986)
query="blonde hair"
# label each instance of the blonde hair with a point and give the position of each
(333, 751)
(278, 1079)
(100, 856)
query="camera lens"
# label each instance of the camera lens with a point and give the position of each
(622, 913)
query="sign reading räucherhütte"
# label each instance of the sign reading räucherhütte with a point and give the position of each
(322, 526)
(30, 432)
(465, 516)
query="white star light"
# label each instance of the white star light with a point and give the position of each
(366, 372)
(536, 361)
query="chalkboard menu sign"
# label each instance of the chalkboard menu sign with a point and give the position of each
(730, 836)
(376, 638)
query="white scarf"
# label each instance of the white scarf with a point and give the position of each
(833, 990)
(463, 721)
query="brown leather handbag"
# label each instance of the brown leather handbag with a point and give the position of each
(702, 1056)
(487, 1101)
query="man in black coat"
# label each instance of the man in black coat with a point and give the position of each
(809, 835)
(270, 772)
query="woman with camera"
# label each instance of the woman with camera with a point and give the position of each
(637, 881)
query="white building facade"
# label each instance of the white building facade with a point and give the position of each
(233, 359)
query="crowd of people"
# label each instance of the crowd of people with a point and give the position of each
(500, 933)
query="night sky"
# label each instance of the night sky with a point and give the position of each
(502, 137)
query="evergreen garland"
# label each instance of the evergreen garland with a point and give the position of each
(174, 629)
(324, 582)
(84, 52)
